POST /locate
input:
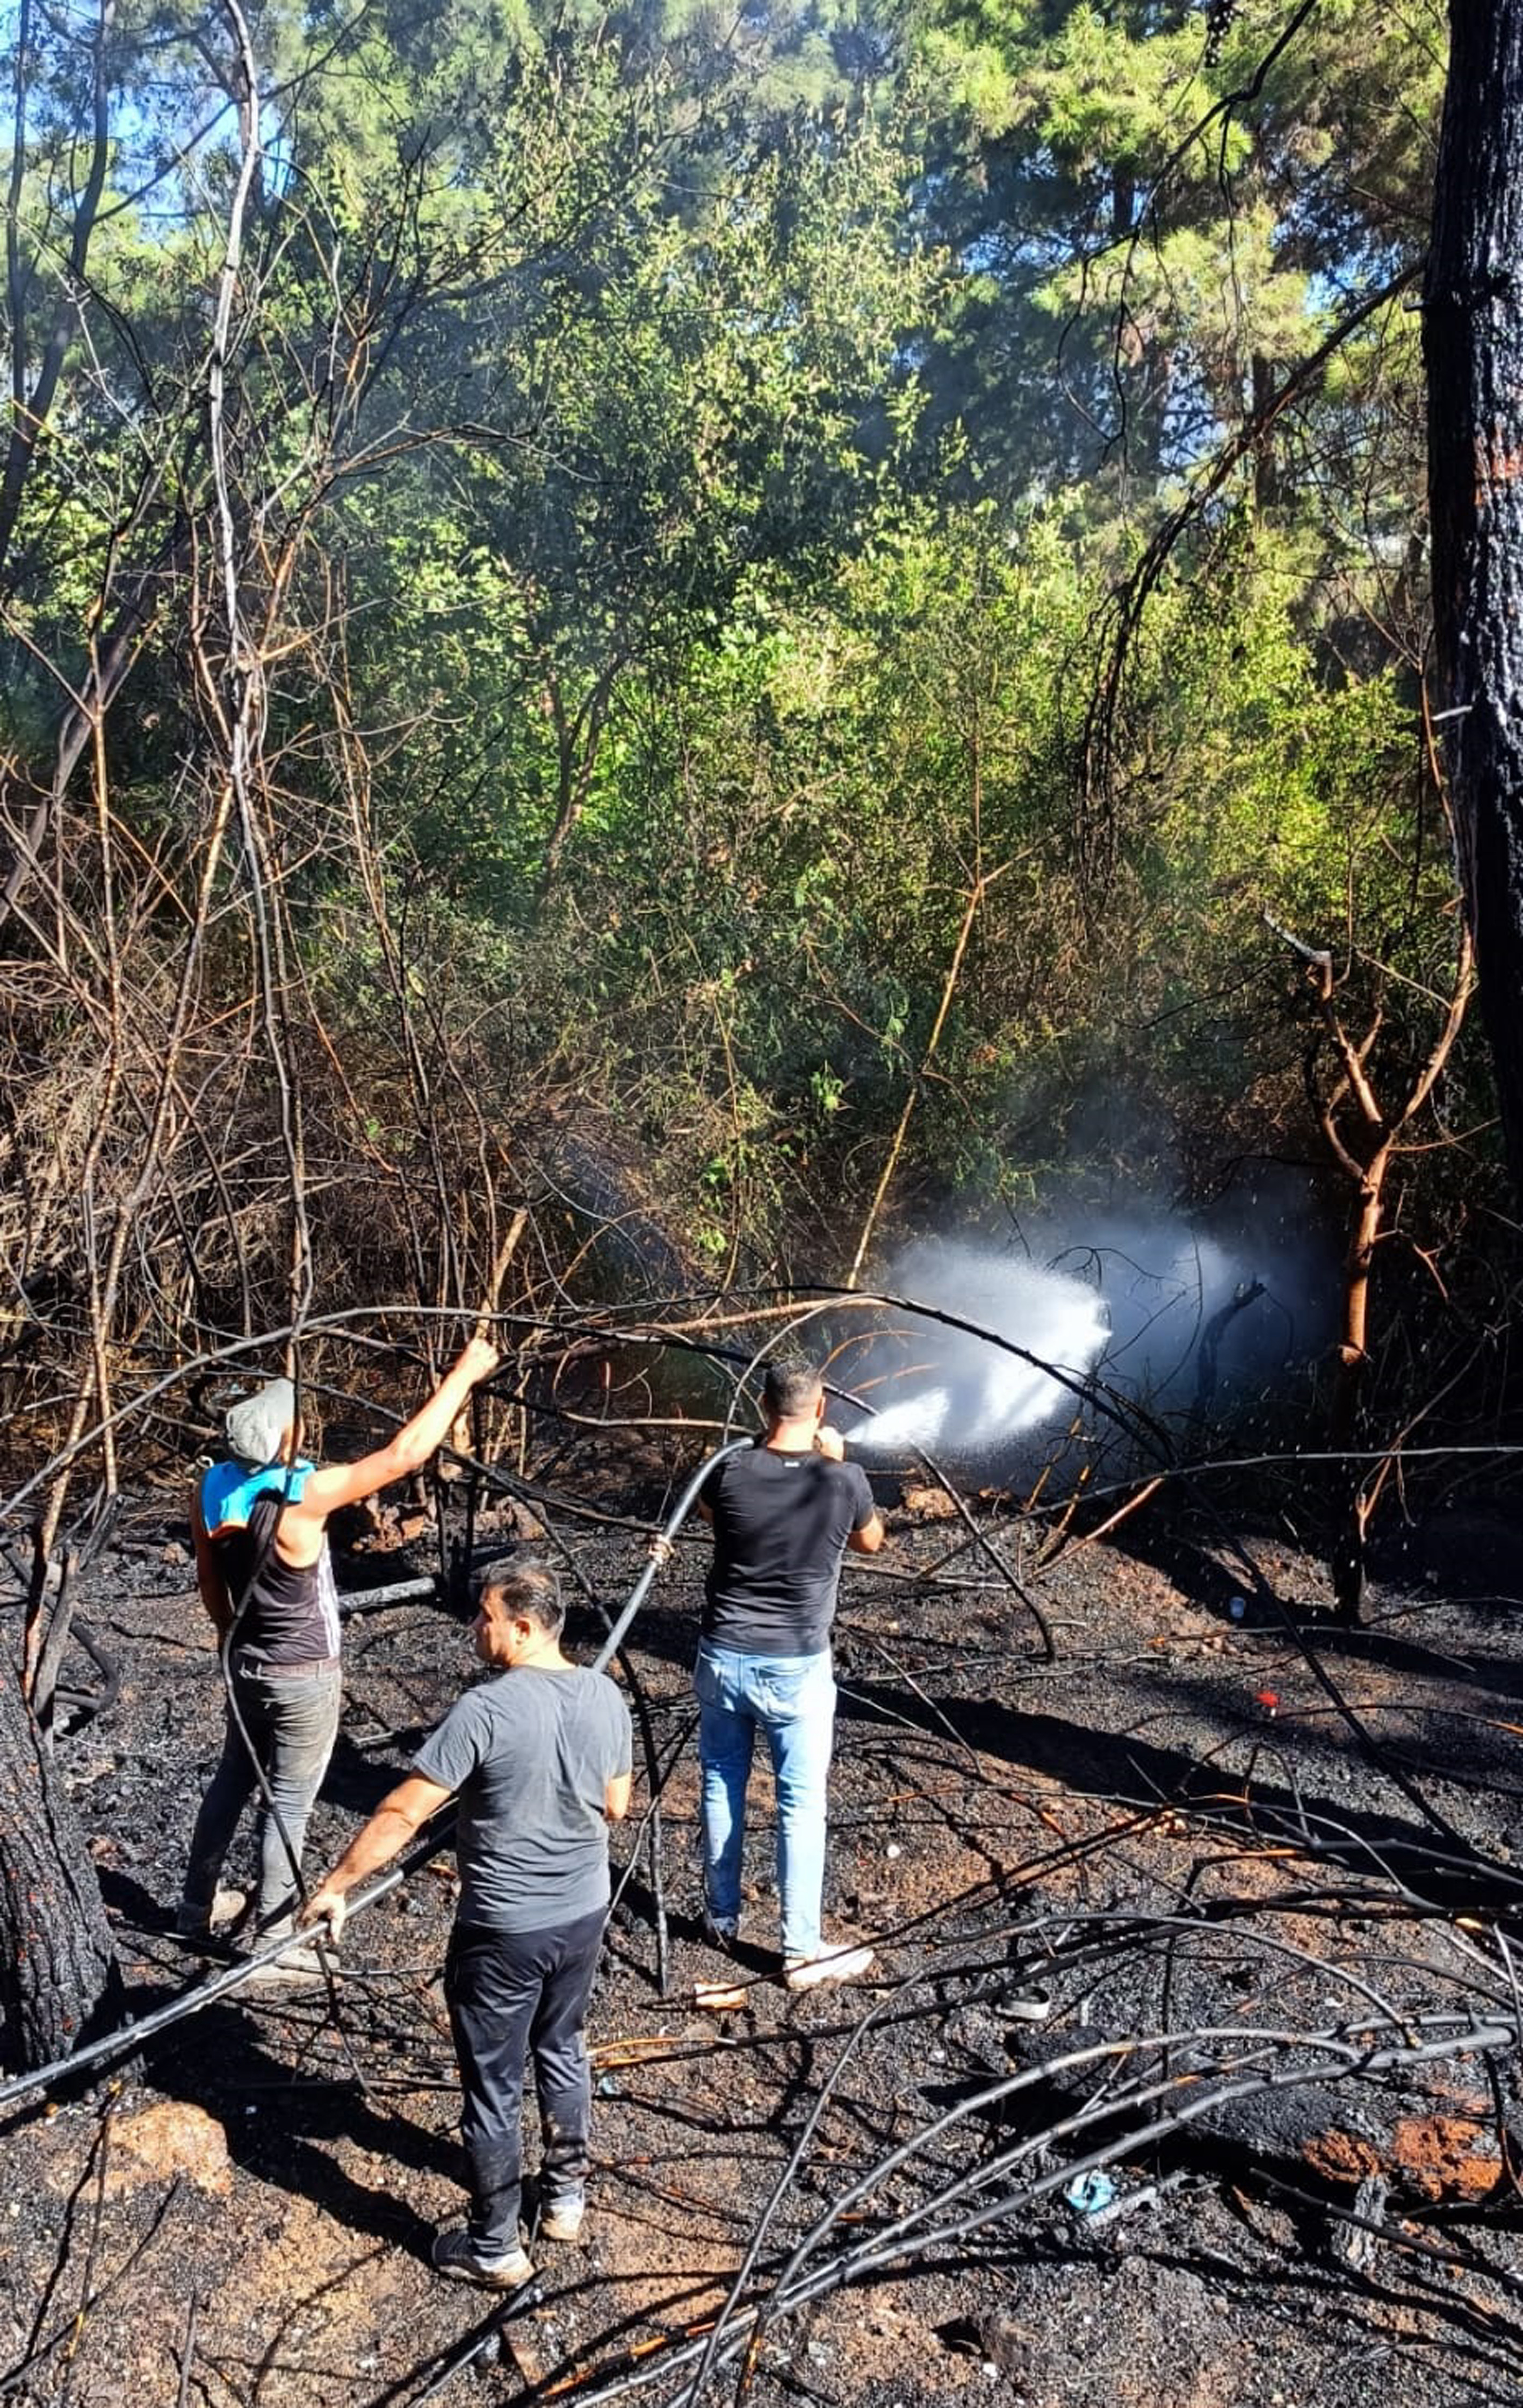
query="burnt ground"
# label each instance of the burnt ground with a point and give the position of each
(1169, 1832)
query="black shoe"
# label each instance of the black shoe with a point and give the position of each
(456, 2254)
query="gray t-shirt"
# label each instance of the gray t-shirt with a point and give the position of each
(529, 1756)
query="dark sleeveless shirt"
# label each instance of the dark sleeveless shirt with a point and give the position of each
(291, 1616)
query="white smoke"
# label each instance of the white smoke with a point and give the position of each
(1167, 1312)
(941, 1385)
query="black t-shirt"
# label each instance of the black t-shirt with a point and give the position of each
(781, 1523)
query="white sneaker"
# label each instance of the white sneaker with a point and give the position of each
(229, 1909)
(563, 2216)
(455, 2254)
(304, 1963)
(823, 1973)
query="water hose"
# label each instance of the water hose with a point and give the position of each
(211, 1988)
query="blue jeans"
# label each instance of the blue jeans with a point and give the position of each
(792, 1700)
(292, 1724)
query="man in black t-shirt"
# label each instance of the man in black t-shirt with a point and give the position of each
(783, 1515)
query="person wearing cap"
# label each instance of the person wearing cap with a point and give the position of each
(784, 1514)
(540, 1760)
(265, 1577)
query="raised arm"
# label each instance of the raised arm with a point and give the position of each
(347, 1484)
(394, 1822)
(867, 1539)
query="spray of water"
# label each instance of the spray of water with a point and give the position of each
(1180, 1314)
(945, 1388)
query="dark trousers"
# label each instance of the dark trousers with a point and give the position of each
(513, 1995)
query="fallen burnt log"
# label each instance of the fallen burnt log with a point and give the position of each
(1428, 2147)
(85, 1705)
(1213, 1968)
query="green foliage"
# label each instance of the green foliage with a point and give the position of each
(681, 475)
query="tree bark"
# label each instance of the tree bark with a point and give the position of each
(60, 1985)
(1473, 345)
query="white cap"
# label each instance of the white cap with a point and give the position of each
(257, 1424)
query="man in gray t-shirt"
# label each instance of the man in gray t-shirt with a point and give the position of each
(539, 1761)
(530, 1759)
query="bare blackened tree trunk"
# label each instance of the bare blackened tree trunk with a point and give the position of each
(1472, 344)
(59, 1982)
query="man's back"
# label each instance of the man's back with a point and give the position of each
(781, 1524)
(531, 1756)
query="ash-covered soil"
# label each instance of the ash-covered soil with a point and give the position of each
(1158, 1909)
